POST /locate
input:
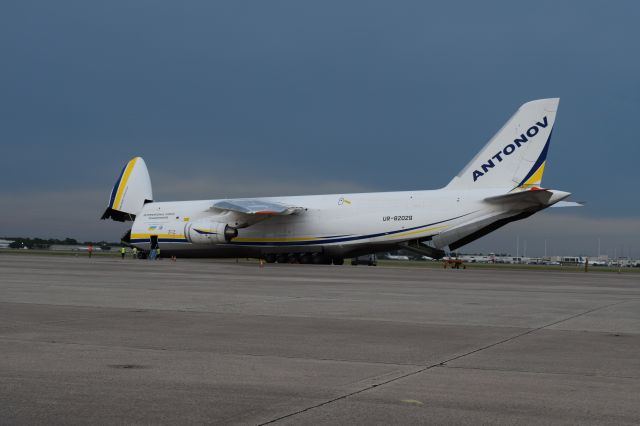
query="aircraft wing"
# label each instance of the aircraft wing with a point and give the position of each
(256, 206)
(241, 213)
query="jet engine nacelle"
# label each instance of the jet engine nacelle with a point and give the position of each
(210, 232)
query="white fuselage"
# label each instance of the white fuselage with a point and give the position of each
(337, 224)
(500, 184)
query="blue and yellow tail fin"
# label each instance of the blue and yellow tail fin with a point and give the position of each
(515, 157)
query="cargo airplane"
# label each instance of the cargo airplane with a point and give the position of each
(501, 184)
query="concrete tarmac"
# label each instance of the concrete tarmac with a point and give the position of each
(106, 341)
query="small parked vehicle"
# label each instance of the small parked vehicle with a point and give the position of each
(367, 259)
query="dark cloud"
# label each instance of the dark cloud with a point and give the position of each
(371, 95)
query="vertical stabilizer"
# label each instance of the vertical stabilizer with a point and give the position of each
(515, 157)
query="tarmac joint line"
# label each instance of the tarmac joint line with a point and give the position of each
(439, 364)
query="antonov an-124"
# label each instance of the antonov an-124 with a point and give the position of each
(501, 184)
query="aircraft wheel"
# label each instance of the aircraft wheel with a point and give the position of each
(283, 258)
(338, 261)
(305, 259)
(270, 258)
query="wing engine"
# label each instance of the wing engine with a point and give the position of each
(204, 232)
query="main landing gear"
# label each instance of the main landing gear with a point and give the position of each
(303, 258)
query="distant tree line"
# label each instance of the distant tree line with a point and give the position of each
(41, 243)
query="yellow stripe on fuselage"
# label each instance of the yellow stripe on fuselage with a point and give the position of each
(167, 236)
(416, 232)
(123, 183)
(274, 240)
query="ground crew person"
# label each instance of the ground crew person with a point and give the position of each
(90, 249)
(135, 252)
(123, 251)
(158, 253)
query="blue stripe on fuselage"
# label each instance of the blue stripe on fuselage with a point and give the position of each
(339, 240)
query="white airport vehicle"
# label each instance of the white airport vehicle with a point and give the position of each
(367, 259)
(501, 184)
(390, 256)
(575, 260)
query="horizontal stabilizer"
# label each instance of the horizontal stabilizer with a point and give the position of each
(568, 204)
(530, 198)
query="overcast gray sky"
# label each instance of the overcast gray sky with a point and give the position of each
(250, 98)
